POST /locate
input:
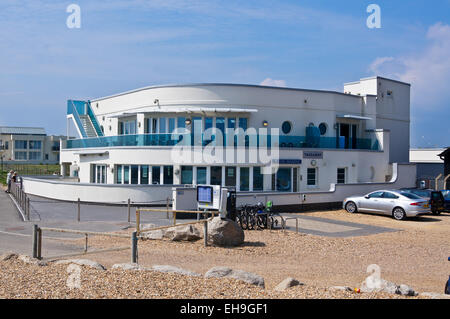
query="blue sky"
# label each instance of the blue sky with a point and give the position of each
(126, 44)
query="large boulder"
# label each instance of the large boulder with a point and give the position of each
(225, 272)
(224, 233)
(179, 233)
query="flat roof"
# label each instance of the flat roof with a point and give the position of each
(224, 84)
(377, 77)
(17, 130)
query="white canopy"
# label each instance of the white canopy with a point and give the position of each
(183, 110)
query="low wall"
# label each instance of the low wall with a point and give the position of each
(98, 193)
(403, 175)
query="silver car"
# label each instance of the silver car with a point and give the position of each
(396, 203)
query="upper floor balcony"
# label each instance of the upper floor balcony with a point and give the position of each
(170, 140)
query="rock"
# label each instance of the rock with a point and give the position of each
(82, 262)
(32, 261)
(287, 283)
(225, 272)
(224, 233)
(434, 295)
(154, 234)
(184, 233)
(8, 256)
(180, 233)
(126, 266)
(174, 270)
(389, 287)
(406, 291)
(341, 288)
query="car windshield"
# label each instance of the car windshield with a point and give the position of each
(421, 193)
(446, 194)
(410, 195)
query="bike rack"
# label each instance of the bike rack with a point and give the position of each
(290, 218)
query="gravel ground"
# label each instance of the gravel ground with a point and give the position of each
(416, 255)
(19, 280)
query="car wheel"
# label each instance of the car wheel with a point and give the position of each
(351, 207)
(399, 213)
(436, 212)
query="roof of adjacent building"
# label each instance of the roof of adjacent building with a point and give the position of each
(16, 130)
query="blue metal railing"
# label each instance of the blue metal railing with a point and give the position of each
(93, 118)
(74, 108)
(254, 140)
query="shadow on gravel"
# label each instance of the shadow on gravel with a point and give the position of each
(424, 219)
(253, 244)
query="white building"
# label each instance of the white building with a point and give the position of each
(29, 145)
(325, 137)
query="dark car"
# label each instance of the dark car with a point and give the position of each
(425, 193)
(440, 202)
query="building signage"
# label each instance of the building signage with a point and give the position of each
(313, 154)
(288, 161)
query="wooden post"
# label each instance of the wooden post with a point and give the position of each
(205, 232)
(28, 209)
(86, 243)
(129, 209)
(138, 221)
(39, 246)
(174, 217)
(167, 207)
(134, 248)
(34, 238)
(79, 209)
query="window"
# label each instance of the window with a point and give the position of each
(126, 174)
(220, 124)
(323, 128)
(35, 145)
(119, 170)
(156, 175)
(216, 175)
(294, 179)
(134, 174)
(99, 174)
(284, 180)
(311, 179)
(389, 195)
(34, 156)
(286, 127)
(201, 175)
(168, 175)
(258, 179)
(341, 175)
(20, 156)
(231, 123)
(376, 195)
(243, 123)
(171, 124)
(144, 174)
(6, 145)
(154, 125)
(186, 175)
(230, 176)
(181, 122)
(20, 145)
(162, 125)
(244, 179)
(127, 128)
(208, 123)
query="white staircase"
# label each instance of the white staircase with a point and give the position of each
(88, 126)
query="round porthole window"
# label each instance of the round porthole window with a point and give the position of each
(286, 127)
(323, 128)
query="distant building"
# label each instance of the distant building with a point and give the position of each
(429, 164)
(445, 156)
(29, 145)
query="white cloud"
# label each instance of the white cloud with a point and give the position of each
(428, 71)
(271, 82)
